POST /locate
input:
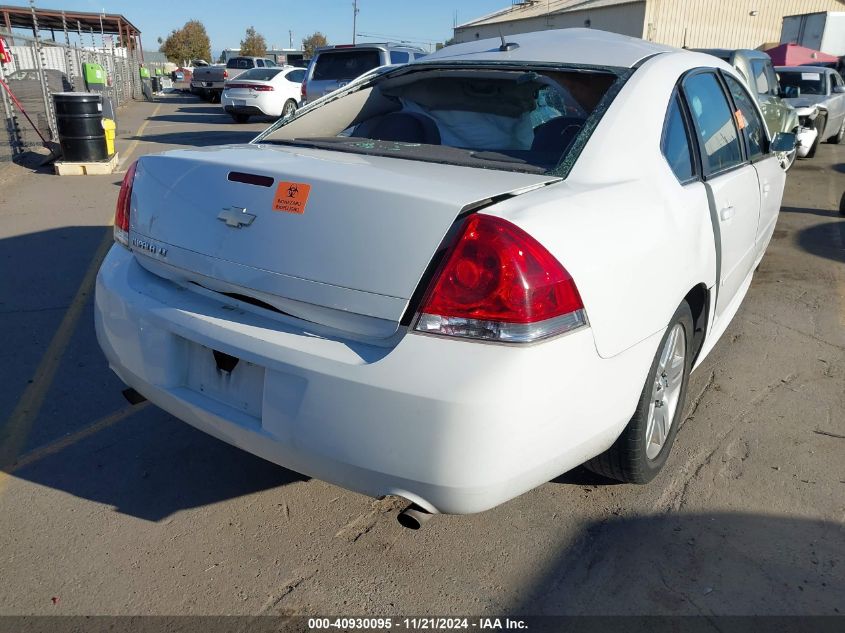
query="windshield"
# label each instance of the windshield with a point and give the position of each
(514, 120)
(344, 65)
(809, 83)
(260, 74)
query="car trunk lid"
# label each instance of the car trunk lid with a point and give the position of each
(343, 231)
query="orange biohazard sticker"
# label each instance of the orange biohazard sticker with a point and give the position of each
(740, 119)
(291, 197)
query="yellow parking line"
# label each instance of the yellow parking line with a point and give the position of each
(17, 427)
(74, 438)
(134, 144)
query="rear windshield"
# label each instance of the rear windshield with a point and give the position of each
(345, 65)
(810, 83)
(240, 62)
(511, 120)
(260, 74)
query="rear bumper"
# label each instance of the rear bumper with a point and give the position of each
(251, 110)
(454, 426)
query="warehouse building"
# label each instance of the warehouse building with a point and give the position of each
(691, 23)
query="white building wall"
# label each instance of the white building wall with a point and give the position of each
(627, 19)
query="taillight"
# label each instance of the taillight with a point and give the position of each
(498, 283)
(225, 74)
(123, 208)
(303, 92)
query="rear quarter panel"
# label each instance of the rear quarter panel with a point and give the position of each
(633, 238)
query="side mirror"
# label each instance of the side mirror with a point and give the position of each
(791, 92)
(784, 142)
(840, 90)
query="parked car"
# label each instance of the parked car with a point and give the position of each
(821, 88)
(335, 66)
(755, 68)
(207, 81)
(263, 91)
(459, 278)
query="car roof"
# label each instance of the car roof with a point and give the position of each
(557, 46)
(352, 47)
(748, 53)
(804, 69)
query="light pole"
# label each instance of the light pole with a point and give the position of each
(354, 19)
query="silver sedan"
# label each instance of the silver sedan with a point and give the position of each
(818, 86)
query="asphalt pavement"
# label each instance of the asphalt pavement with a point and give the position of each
(111, 509)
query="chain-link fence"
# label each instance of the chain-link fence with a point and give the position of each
(40, 68)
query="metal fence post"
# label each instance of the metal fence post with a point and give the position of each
(41, 64)
(68, 54)
(13, 127)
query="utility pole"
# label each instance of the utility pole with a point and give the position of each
(354, 19)
(290, 35)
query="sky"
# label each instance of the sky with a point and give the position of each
(418, 21)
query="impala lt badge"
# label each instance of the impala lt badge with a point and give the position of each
(236, 217)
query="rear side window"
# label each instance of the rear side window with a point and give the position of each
(399, 57)
(345, 65)
(675, 144)
(259, 63)
(760, 81)
(749, 120)
(296, 76)
(714, 123)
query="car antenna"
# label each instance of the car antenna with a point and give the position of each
(506, 46)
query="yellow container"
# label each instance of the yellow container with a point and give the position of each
(109, 126)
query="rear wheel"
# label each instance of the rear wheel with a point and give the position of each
(289, 109)
(642, 449)
(836, 139)
(821, 121)
(240, 118)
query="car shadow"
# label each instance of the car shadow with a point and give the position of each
(152, 465)
(683, 564)
(824, 240)
(85, 439)
(807, 211)
(580, 476)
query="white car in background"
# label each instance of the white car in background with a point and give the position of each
(273, 92)
(457, 279)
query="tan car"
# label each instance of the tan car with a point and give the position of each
(759, 74)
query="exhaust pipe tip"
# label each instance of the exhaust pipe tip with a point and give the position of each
(413, 517)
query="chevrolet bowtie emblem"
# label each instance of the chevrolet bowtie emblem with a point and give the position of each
(236, 217)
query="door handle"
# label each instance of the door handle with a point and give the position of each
(766, 188)
(726, 214)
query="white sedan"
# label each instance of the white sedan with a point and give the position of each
(455, 280)
(273, 92)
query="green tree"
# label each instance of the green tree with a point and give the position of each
(254, 44)
(189, 42)
(448, 42)
(312, 43)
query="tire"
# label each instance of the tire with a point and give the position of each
(289, 109)
(821, 121)
(836, 139)
(632, 458)
(240, 118)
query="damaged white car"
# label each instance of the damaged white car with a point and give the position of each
(457, 279)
